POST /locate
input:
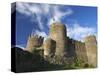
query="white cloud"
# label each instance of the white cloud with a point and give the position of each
(30, 10)
(53, 11)
(21, 7)
(78, 32)
(58, 14)
(20, 46)
(40, 33)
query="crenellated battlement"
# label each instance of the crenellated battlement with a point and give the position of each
(33, 42)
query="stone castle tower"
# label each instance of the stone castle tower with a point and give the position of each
(33, 42)
(58, 44)
(58, 34)
(91, 49)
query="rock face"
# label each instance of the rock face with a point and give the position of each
(58, 34)
(91, 49)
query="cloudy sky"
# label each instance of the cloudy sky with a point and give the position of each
(36, 18)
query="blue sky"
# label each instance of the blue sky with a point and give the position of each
(36, 18)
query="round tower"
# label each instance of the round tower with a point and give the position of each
(32, 43)
(91, 49)
(58, 34)
(49, 47)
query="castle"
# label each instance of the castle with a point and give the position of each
(57, 44)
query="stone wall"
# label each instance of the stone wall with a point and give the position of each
(81, 51)
(49, 46)
(76, 49)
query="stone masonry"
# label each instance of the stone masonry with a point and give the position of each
(59, 45)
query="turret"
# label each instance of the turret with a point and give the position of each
(91, 49)
(33, 42)
(58, 34)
